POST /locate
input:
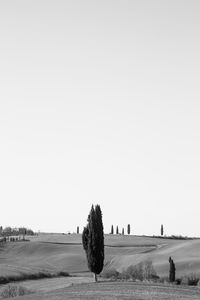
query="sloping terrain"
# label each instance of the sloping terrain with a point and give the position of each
(32, 257)
(57, 252)
(185, 253)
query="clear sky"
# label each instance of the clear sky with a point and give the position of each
(100, 103)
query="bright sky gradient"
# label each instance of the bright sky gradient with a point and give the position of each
(100, 103)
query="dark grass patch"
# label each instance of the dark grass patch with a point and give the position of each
(33, 276)
(173, 237)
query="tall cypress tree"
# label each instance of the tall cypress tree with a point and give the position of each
(117, 230)
(93, 241)
(112, 230)
(162, 230)
(172, 270)
(129, 229)
(77, 230)
(122, 231)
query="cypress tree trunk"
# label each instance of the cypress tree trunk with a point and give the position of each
(95, 277)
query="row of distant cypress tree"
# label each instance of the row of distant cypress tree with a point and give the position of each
(128, 230)
(112, 230)
(117, 229)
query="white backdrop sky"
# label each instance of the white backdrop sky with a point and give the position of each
(100, 103)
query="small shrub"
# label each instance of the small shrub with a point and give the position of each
(149, 271)
(62, 273)
(23, 291)
(124, 275)
(11, 291)
(141, 271)
(155, 277)
(193, 279)
(184, 280)
(110, 273)
(178, 281)
(164, 279)
(135, 272)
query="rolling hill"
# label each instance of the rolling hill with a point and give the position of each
(57, 252)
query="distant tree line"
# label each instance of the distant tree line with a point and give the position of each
(9, 231)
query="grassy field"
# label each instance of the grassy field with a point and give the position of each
(53, 253)
(119, 290)
(57, 252)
